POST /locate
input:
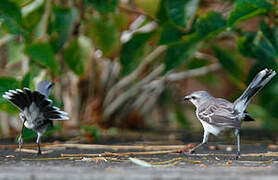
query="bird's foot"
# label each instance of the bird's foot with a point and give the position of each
(237, 155)
(39, 152)
(192, 151)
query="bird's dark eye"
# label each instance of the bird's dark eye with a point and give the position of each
(193, 97)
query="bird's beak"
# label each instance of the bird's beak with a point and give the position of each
(186, 98)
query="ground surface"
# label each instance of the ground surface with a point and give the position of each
(208, 164)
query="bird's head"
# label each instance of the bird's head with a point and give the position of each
(45, 87)
(198, 97)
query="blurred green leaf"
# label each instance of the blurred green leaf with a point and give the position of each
(77, 54)
(210, 24)
(26, 80)
(256, 46)
(29, 135)
(7, 83)
(22, 3)
(180, 52)
(149, 7)
(229, 62)
(271, 34)
(245, 9)
(104, 6)
(162, 12)
(105, 34)
(43, 54)
(133, 51)
(259, 112)
(180, 11)
(92, 130)
(11, 16)
(170, 34)
(62, 27)
(181, 118)
(15, 51)
(33, 19)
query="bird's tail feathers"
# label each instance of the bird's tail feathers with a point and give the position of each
(254, 87)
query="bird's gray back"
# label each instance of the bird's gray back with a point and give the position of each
(219, 112)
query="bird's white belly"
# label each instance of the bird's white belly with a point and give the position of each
(215, 130)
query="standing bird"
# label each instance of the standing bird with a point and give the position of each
(217, 114)
(35, 108)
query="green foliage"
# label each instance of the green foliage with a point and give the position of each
(210, 25)
(170, 34)
(133, 51)
(77, 55)
(43, 54)
(91, 130)
(11, 15)
(256, 46)
(7, 83)
(245, 9)
(15, 51)
(62, 27)
(103, 6)
(229, 62)
(179, 53)
(105, 34)
(63, 36)
(180, 11)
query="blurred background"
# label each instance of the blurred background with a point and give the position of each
(123, 66)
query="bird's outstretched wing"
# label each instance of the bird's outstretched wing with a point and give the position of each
(220, 113)
(34, 103)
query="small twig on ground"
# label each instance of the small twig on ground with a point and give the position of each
(47, 159)
(268, 154)
(108, 154)
(33, 151)
(119, 147)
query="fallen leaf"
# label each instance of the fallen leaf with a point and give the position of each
(229, 162)
(10, 156)
(140, 162)
(203, 166)
(97, 160)
(216, 158)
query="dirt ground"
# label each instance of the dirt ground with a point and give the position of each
(212, 162)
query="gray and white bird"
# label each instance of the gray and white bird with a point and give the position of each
(35, 108)
(217, 114)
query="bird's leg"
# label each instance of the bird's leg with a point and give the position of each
(38, 143)
(20, 139)
(237, 134)
(205, 139)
